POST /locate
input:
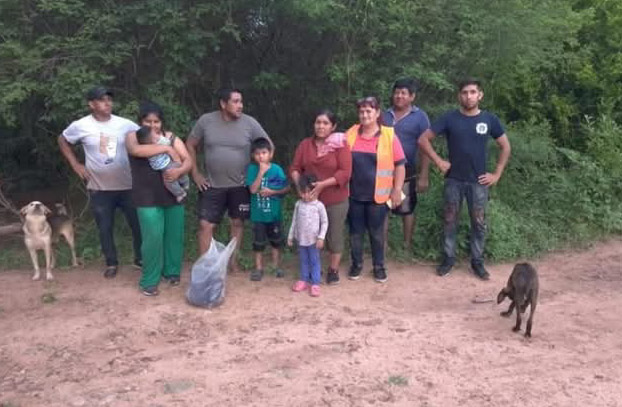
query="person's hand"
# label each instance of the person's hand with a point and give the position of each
(444, 166)
(318, 187)
(488, 179)
(200, 181)
(174, 155)
(81, 171)
(396, 198)
(172, 174)
(290, 242)
(264, 167)
(266, 192)
(422, 184)
(319, 244)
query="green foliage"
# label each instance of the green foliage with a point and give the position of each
(546, 66)
(548, 197)
(604, 144)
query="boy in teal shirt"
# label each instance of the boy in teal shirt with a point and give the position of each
(267, 183)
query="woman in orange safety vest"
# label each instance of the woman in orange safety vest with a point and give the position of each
(375, 186)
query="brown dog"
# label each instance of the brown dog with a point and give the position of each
(62, 225)
(39, 232)
(522, 288)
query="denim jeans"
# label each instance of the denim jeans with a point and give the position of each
(180, 185)
(477, 198)
(103, 205)
(370, 217)
(310, 267)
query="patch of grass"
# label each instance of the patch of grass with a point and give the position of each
(177, 386)
(14, 255)
(397, 380)
(48, 298)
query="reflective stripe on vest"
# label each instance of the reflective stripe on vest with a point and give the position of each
(385, 165)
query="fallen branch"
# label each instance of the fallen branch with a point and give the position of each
(5, 203)
(10, 229)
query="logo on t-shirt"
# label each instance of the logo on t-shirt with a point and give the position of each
(481, 128)
(108, 146)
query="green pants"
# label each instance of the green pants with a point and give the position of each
(162, 249)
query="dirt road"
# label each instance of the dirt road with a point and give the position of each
(418, 340)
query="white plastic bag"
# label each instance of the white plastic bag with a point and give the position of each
(208, 275)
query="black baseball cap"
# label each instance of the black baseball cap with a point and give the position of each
(98, 92)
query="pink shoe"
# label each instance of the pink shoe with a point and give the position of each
(299, 286)
(315, 291)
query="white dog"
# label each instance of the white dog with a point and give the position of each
(39, 233)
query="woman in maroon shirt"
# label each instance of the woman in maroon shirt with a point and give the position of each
(327, 156)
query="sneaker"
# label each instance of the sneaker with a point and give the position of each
(480, 271)
(332, 277)
(173, 280)
(150, 291)
(354, 273)
(299, 286)
(445, 267)
(138, 264)
(380, 275)
(110, 272)
(280, 273)
(314, 291)
(256, 275)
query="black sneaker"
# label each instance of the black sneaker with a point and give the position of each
(110, 272)
(138, 264)
(150, 291)
(354, 273)
(332, 277)
(256, 275)
(480, 271)
(174, 280)
(445, 267)
(380, 275)
(280, 273)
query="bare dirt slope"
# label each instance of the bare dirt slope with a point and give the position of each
(418, 340)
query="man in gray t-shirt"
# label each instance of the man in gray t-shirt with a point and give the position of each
(106, 170)
(225, 137)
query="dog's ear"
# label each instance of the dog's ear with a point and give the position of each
(502, 294)
(24, 210)
(46, 210)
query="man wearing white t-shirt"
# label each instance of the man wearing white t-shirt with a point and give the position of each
(106, 170)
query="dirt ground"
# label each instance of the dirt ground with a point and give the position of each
(418, 340)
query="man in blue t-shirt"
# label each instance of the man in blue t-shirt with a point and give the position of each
(409, 122)
(467, 131)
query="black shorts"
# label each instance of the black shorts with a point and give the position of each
(213, 202)
(407, 207)
(267, 232)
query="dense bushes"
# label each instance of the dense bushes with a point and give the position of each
(548, 197)
(546, 65)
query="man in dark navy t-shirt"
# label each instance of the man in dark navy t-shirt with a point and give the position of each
(467, 131)
(409, 122)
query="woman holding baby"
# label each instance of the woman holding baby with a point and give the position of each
(160, 213)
